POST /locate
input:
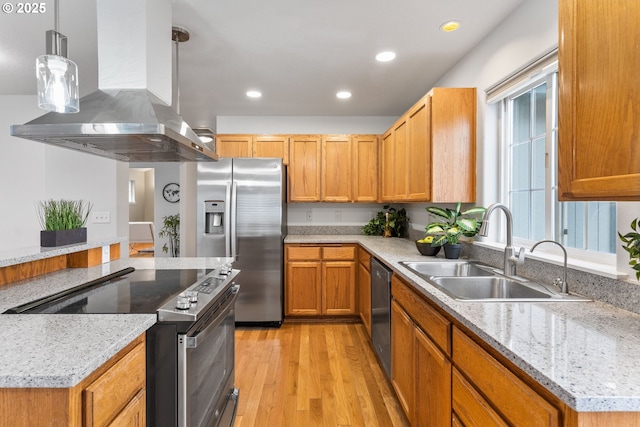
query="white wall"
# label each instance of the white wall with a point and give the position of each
(33, 171)
(142, 209)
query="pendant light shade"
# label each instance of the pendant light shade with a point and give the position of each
(57, 84)
(57, 75)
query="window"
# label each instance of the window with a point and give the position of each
(530, 139)
(132, 191)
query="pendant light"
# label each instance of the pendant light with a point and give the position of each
(57, 75)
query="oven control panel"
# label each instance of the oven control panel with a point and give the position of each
(193, 301)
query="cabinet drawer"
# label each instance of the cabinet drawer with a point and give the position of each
(520, 404)
(469, 406)
(112, 391)
(295, 253)
(426, 317)
(339, 252)
(364, 257)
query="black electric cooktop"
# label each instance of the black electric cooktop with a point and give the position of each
(141, 291)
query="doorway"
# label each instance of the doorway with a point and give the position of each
(142, 231)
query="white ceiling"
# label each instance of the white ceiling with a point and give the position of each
(298, 53)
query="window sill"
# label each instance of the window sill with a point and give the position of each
(591, 267)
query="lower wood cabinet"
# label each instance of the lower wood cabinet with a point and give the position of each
(364, 288)
(320, 280)
(113, 395)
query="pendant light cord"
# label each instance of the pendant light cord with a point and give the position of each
(56, 21)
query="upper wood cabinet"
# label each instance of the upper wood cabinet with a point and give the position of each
(304, 168)
(336, 168)
(230, 146)
(599, 95)
(272, 146)
(365, 168)
(429, 154)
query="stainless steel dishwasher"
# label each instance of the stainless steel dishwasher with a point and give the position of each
(381, 313)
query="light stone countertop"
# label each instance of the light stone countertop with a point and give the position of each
(60, 350)
(585, 353)
(35, 253)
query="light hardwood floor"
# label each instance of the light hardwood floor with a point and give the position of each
(311, 374)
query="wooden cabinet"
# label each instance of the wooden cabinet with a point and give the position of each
(387, 172)
(420, 358)
(113, 395)
(599, 93)
(230, 146)
(403, 368)
(429, 154)
(470, 408)
(514, 399)
(364, 288)
(272, 146)
(320, 280)
(336, 168)
(304, 168)
(365, 168)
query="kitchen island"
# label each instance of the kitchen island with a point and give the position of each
(42, 350)
(583, 353)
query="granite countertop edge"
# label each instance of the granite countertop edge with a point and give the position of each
(580, 393)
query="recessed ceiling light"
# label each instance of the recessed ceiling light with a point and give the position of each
(385, 56)
(343, 94)
(450, 26)
(254, 94)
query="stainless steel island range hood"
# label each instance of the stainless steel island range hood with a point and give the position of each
(130, 125)
(125, 120)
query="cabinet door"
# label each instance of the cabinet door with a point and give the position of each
(304, 168)
(338, 287)
(599, 94)
(336, 168)
(364, 296)
(303, 287)
(402, 358)
(365, 168)
(419, 167)
(272, 146)
(401, 137)
(453, 136)
(387, 174)
(433, 383)
(134, 414)
(234, 145)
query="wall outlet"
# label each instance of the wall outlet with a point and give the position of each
(101, 217)
(338, 216)
(309, 216)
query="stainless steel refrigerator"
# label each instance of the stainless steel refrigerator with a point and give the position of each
(242, 214)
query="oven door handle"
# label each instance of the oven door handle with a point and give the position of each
(214, 322)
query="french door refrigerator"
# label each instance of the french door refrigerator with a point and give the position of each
(241, 213)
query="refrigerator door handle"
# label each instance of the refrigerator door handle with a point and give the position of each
(229, 223)
(234, 228)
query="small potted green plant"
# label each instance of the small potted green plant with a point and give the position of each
(453, 225)
(171, 229)
(63, 222)
(632, 245)
(397, 222)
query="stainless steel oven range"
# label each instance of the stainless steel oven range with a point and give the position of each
(190, 350)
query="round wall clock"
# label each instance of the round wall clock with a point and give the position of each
(171, 192)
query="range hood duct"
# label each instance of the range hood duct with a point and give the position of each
(130, 125)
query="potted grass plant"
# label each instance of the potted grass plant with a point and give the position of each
(63, 222)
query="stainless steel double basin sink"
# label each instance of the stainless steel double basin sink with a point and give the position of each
(473, 281)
